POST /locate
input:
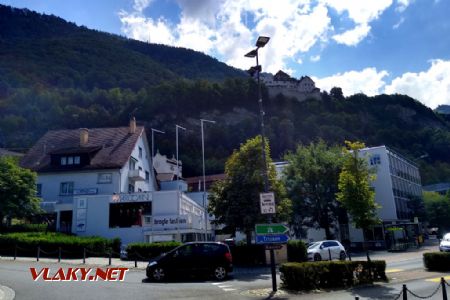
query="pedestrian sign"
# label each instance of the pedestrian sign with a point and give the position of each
(267, 201)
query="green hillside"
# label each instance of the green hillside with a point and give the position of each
(56, 75)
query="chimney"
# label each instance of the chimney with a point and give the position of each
(84, 136)
(132, 125)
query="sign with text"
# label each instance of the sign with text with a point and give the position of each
(267, 202)
(134, 197)
(272, 239)
(271, 228)
(170, 222)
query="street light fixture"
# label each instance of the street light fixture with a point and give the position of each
(204, 179)
(261, 42)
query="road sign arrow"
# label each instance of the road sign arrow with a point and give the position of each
(271, 229)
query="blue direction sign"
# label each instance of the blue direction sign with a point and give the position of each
(272, 239)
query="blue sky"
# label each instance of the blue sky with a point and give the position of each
(370, 46)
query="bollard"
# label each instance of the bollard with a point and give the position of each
(38, 253)
(356, 298)
(84, 256)
(135, 262)
(444, 291)
(15, 251)
(405, 292)
(59, 254)
(109, 258)
(329, 253)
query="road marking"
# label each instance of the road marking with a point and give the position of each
(228, 290)
(216, 283)
(224, 286)
(394, 270)
(437, 279)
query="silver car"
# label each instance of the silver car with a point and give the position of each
(444, 245)
(326, 250)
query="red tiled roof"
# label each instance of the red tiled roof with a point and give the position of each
(113, 147)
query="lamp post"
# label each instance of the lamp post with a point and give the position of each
(204, 180)
(176, 133)
(261, 42)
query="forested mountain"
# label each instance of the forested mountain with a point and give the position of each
(55, 75)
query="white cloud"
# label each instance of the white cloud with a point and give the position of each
(315, 58)
(431, 87)
(140, 5)
(403, 4)
(354, 36)
(400, 22)
(368, 81)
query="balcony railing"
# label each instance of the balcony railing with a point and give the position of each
(136, 175)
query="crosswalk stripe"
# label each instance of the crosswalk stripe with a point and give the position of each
(437, 279)
(394, 270)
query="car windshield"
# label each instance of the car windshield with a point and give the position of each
(314, 245)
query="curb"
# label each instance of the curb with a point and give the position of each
(6, 293)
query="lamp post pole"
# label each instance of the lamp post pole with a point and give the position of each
(204, 179)
(153, 142)
(261, 42)
(176, 133)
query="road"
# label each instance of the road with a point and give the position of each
(251, 284)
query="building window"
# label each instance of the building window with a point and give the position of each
(147, 175)
(38, 190)
(128, 214)
(76, 160)
(63, 161)
(66, 188)
(70, 160)
(130, 188)
(140, 152)
(104, 178)
(375, 160)
(132, 163)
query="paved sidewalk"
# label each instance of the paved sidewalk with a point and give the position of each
(396, 256)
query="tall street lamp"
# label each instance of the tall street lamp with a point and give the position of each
(204, 180)
(176, 133)
(261, 42)
(153, 141)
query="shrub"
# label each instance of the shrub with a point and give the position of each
(331, 274)
(149, 250)
(296, 251)
(24, 228)
(71, 246)
(250, 255)
(437, 261)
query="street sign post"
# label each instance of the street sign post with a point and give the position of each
(272, 239)
(271, 228)
(267, 202)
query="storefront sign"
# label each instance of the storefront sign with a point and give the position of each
(170, 222)
(135, 197)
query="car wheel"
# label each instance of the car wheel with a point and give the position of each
(220, 273)
(342, 255)
(317, 257)
(158, 274)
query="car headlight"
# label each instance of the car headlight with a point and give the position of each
(152, 263)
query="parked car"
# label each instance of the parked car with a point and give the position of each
(444, 245)
(324, 249)
(196, 258)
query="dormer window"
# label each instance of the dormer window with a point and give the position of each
(70, 160)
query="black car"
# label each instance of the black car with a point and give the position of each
(196, 258)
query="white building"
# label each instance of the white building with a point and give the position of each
(100, 182)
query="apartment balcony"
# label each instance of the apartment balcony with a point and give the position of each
(136, 175)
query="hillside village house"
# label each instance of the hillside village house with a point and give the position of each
(101, 182)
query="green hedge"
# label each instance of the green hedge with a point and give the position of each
(437, 261)
(71, 246)
(296, 251)
(24, 228)
(248, 255)
(331, 274)
(149, 250)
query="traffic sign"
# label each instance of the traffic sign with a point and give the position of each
(274, 247)
(267, 202)
(271, 228)
(272, 239)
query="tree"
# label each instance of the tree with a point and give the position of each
(336, 93)
(355, 192)
(235, 200)
(437, 208)
(311, 180)
(17, 191)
